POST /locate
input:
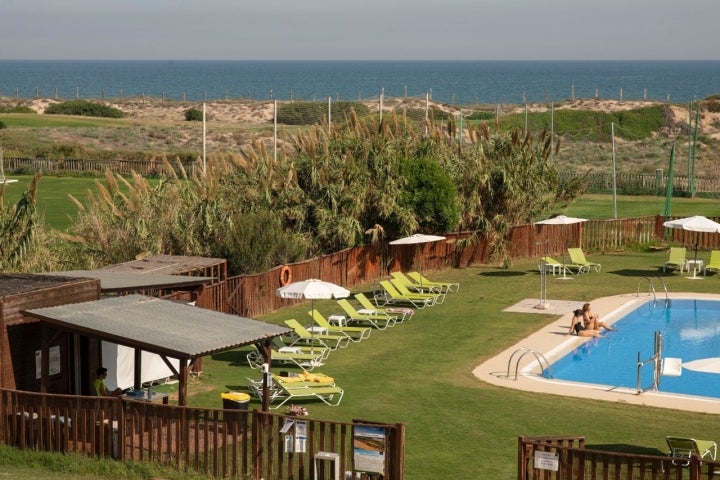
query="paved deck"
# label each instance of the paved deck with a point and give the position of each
(553, 343)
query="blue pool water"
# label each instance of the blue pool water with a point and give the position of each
(691, 332)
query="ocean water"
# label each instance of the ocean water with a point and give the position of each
(452, 82)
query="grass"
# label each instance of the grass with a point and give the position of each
(420, 373)
(595, 206)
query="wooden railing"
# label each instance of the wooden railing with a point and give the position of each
(566, 458)
(218, 443)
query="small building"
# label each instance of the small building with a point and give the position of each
(21, 335)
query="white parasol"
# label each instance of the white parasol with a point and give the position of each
(417, 238)
(698, 224)
(312, 289)
(562, 220)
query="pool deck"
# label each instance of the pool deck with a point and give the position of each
(553, 342)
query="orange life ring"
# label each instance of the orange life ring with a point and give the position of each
(285, 275)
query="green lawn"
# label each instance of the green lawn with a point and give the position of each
(594, 206)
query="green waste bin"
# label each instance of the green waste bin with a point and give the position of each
(235, 400)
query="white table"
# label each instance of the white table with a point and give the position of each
(338, 320)
(318, 330)
(696, 265)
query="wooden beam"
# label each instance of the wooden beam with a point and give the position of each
(266, 350)
(183, 382)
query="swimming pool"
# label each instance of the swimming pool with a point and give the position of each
(691, 332)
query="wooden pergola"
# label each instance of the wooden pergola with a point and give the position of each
(170, 329)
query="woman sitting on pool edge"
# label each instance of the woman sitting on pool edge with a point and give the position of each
(577, 325)
(592, 320)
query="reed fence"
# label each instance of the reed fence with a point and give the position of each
(566, 458)
(217, 443)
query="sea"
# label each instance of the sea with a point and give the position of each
(450, 82)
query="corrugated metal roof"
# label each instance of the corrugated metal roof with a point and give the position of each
(165, 264)
(111, 281)
(159, 326)
(18, 283)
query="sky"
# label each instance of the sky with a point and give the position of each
(359, 29)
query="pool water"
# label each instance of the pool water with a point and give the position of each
(691, 332)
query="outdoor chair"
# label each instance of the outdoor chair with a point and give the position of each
(687, 447)
(437, 298)
(577, 257)
(355, 334)
(554, 266)
(400, 313)
(677, 259)
(378, 320)
(389, 295)
(306, 361)
(303, 336)
(445, 286)
(415, 286)
(714, 263)
(281, 391)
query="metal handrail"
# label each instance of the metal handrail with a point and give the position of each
(538, 356)
(651, 283)
(656, 360)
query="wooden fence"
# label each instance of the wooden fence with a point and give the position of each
(566, 458)
(217, 443)
(643, 182)
(253, 295)
(123, 167)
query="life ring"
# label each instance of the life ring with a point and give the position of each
(285, 275)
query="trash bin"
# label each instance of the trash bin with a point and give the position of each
(235, 400)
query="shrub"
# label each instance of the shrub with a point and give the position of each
(482, 116)
(2, 125)
(193, 115)
(17, 109)
(84, 108)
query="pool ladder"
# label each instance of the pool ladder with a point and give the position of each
(522, 351)
(656, 361)
(651, 285)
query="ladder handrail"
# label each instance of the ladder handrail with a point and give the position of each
(656, 360)
(651, 283)
(538, 356)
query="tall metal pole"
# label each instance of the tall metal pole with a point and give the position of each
(382, 96)
(275, 130)
(204, 143)
(612, 136)
(427, 111)
(552, 131)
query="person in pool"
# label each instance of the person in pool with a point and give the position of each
(592, 320)
(578, 326)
